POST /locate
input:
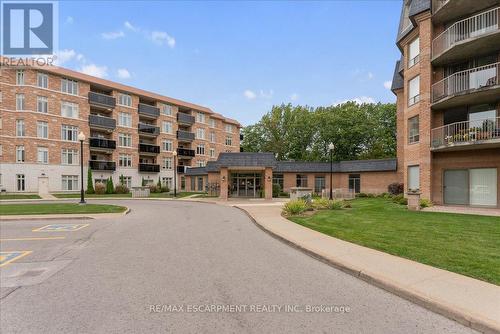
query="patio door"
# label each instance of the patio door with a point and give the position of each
(483, 186)
(456, 187)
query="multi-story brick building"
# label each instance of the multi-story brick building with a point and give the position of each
(447, 85)
(129, 132)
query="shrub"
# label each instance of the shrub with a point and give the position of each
(295, 207)
(363, 195)
(425, 203)
(158, 184)
(320, 203)
(100, 188)
(284, 194)
(276, 190)
(335, 205)
(346, 205)
(153, 188)
(400, 199)
(395, 188)
(90, 182)
(110, 188)
(164, 189)
(121, 189)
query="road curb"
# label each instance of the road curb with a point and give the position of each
(67, 216)
(445, 310)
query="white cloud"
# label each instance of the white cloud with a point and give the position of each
(95, 70)
(123, 73)
(70, 20)
(250, 94)
(162, 38)
(387, 84)
(266, 95)
(358, 100)
(294, 97)
(369, 76)
(129, 26)
(63, 56)
(113, 34)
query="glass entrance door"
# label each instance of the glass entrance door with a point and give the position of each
(477, 186)
(245, 184)
(456, 187)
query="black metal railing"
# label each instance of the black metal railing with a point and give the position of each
(102, 122)
(184, 152)
(185, 135)
(102, 165)
(148, 110)
(148, 148)
(102, 143)
(102, 100)
(149, 168)
(184, 118)
(149, 129)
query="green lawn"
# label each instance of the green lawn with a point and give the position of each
(465, 244)
(57, 208)
(152, 195)
(18, 196)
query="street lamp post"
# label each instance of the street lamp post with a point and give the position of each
(175, 174)
(81, 138)
(331, 147)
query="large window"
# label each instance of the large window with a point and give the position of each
(166, 109)
(414, 178)
(200, 183)
(42, 129)
(69, 86)
(69, 109)
(125, 119)
(229, 128)
(21, 182)
(69, 182)
(414, 91)
(414, 52)
(20, 77)
(167, 145)
(42, 104)
(42, 155)
(124, 100)
(20, 154)
(19, 102)
(200, 117)
(319, 184)
(125, 140)
(229, 140)
(125, 160)
(42, 80)
(200, 149)
(413, 130)
(167, 127)
(355, 183)
(212, 153)
(167, 182)
(126, 181)
(69, 133)
(212, 137)
(167, 163)
(278, 179)
(69, 156)
(20, 128)
(301, 180)
(212, 123)
(200, 133)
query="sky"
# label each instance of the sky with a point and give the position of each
(237, 58)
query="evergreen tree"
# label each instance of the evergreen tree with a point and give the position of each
(110, 188)
(90, 182)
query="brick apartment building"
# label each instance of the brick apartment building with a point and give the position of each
(130, 132)
(447, 85)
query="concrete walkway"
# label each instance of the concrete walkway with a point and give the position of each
(467, 210)
(469, 301)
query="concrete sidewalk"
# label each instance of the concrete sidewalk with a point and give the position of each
(469, 301)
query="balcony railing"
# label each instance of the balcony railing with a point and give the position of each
(181, 169)
(184, 152)
(102, 143)
(149, 168)
(148, 148)
(148, 110)
(185, 135)
(463, 30)
(467, 132)
(184, 118)
(149, 129)
(102, 100)
(102, 122)
(102, 165)
(466, 81)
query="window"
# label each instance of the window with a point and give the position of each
(42, 129)
(125, 100)
(20, 180)
(69, 132)
(42, 155)
(125, 119)
(167, 182)
(301, 180)
(212, 137)
(19, 102)
(414, 91)
(413, 178)
(20, 128)
(229, 140)
(212, 123)
(69, 109)
(166, 127)
(167, 145)
(69, 86)
(167, 163)
(20, 77)
(229, 128)
(126, 181)
(319, 184)
(414, 52)
(200, 149)
(200, 183)
(201, 163)
(278, 179)
(413, 130)
(355, 183)
(125, 140)
(212, 153)
(69, 182)
(20, 153)
(69, 156)
(166, 109)
(200, 117)
(42, 80)
(183, 183)
(125, 160)
(200, 133)
(42, 104)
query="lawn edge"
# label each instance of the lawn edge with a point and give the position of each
(60, 216)
(445, 310)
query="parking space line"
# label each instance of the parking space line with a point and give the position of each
(8, 257)
(60, 228)
(29, 239)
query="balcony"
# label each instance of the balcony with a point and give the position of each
(102, 122)
(473, 86)
(467, 135)
(181, 169)
(464, 38)
(184, 153)
(148, 111)
(149, 168)
(149, 149)
(102, 144)
(185, 119)
(449, 10)
(102, 100)
(185, 136)
(102, 165)
(148, 130)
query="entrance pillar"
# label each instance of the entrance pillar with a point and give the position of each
(268, 183)
(224, 181)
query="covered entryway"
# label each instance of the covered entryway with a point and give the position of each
(246, 184)
(477, 186)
